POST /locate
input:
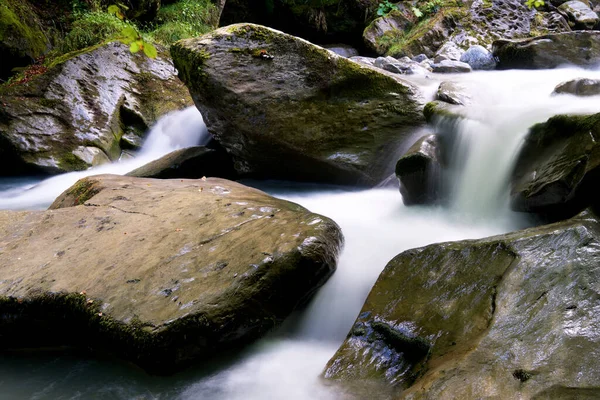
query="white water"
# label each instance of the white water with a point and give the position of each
(376, 226)
(174, 131)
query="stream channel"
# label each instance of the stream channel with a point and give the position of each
(377, 226)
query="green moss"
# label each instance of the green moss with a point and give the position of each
(70, 162)
(50, 103)
(20, 29)
(91, 29)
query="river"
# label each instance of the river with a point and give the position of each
(376, 225)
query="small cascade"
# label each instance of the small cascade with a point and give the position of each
(173, 131)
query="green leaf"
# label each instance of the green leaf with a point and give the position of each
(150, 50)
(418, 13)
(135, 47)
(130, 33)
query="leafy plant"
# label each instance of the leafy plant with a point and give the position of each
(184, 19)
(534, 3)
(90, 29)
(429, 8)
(130, 34)
(386, 7)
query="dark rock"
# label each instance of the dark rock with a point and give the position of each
(79, 110)
(419, 172)
(163, 273)
(450, 66)
(478, 57)
(579, 14)
(556, 171)
(323, 117)
(579, 87)
(192, 163)
(510, 316)
(581, 48)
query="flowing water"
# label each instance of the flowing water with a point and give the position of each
(376, 225)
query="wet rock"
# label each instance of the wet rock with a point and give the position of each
(364, 60)
(453, 93)
(441, 109)
(163, 273)
(510, 316)
(579, 14)
(192, 163)
(581, 48)
(450, 66)
(557, 169)
(389, 24)
(478, 57)
(343, 50)
(403, 66)
(448, 51)
(84, 105)
(579, 87)
(419, 172)
(324, 117)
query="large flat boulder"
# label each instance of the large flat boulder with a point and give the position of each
(581, 48)
(75, 114)
(159, 272)
(511, 317)
(285, 108)
(557, 169)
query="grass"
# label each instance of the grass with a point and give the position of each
(90, 29)
(183, 19)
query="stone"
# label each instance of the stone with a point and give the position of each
(557, 168)
(580, 14)
(343, 50)
(162, 273)
(50, 123)
(191, 163)
(478, 57)
(579, 87)
(511, 316)
(293, 104)
(402, 66)
(364, 60)
(453, 93)
(392, 23)
(448, 51)
(441, 109)
(420, 58)
(581, 48)
(450, 66)
(419, 172)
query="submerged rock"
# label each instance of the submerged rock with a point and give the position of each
(581, 48)
(81, 107)
(284, 108)
(579, 14)
(579, 87)
(162, 273)
(511, 316)
(419, 172)
(453, 93)
(557, 170)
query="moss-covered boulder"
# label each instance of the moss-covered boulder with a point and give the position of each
(192, 163)
(162, 273)
(419, 172)
(285, 108)
(81, 107)
(379, 32)
(558, 168)
(22, 38)
(581, 48)
(509, 317)
(580, 14)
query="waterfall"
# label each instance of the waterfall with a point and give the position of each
(175, 130)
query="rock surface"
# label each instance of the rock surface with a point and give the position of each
(579, 87)
(61, 120)
(581, 48)
(159, 272)
(511, 317)
(419, 172)
(390, 24)
(479, 58)
(284, 108)
(453, 93)
(192, 162)
(557, 170)
(579, 14)
(451, 66)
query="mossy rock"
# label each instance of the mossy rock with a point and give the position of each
(162, 273)
(271, 99)
(510, 316)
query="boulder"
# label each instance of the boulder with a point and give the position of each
(478, 57)
(581, 48)
(192, 162)
(512, 317)
(343, 50)
(425, 38)
(284, 108)
(441, 109)
(162, 273)
(419, 172)
(404, 66)
(448, 51)
(22, 38)
(364, 60)
(451, 66)
(80, 107)
(453, 93)
(556, 172)
(394, 23)
(579, 14)
(579, 87)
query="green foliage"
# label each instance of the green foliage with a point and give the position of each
(184, 19)
(130, 34)
(429, 8)
(92, 28)
(535, 3)
(385, 8)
